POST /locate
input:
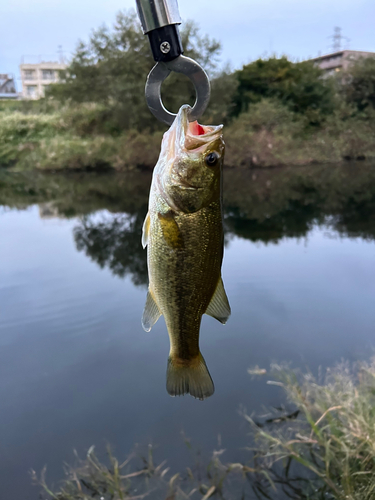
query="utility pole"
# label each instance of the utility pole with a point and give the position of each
(337, 39)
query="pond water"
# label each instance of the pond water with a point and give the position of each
(76, 368)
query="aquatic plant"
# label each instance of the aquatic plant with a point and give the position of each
(325, 446)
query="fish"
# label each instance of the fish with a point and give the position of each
(183, 233)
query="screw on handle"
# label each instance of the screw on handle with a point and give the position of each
(165, 47)
(165, 43)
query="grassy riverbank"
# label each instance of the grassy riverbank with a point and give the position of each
(275, 111)
(268, 134)
(61, 140)
(321, 446)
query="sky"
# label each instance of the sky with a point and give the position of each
(247, 28)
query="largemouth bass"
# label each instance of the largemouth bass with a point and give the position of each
(183, 232)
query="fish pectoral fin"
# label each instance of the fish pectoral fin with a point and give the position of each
(219, 307)
(171, 231)
(145, 230)
(151, 313)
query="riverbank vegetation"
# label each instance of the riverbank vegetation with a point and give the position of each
(325, 447)
(319, 445)
(276, 112)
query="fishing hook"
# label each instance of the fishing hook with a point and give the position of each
(160, 20)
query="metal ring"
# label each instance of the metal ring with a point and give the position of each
(192, 70)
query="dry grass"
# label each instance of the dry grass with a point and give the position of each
(322, 448)
(137, 478)
(329, 435)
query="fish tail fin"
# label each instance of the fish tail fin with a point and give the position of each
(189, 377)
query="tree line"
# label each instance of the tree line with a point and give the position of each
(111, 68)
(276, 111)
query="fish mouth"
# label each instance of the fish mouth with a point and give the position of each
(192, 136)
(183, 138)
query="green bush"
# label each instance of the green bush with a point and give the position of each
(21, 133)
(72, 139)
(359, 84)
(88, 119)
(67, 152)
(76, 153)
(270, 115)
(300, 86)
(270, 134)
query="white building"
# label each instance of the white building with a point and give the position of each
(37, 77)
(339, 61)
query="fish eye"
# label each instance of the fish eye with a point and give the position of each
(211, 159)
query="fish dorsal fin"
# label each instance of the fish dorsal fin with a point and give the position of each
(219, 307)
(151, 313)
(145, 230)
(171, 231)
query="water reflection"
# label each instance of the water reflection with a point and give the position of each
(71, 340)
(259, 205)
(114, 242)
(273, 204)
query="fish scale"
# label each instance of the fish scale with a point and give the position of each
(183, 280)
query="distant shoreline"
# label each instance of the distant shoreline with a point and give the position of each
(267, 135)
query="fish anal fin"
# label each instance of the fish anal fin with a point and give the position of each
(219, 307)
(145, 230)
(189, 377)
(151, 312)
(171, 231)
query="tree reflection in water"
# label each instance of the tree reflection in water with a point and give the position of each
(114, 242)
(264, 205)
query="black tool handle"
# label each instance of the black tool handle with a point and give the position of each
(165, 43)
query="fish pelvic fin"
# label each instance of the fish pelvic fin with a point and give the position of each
(219, 307)
(151, 312)
(189, 377)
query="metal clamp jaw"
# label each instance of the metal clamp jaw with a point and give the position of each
(160, 20)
